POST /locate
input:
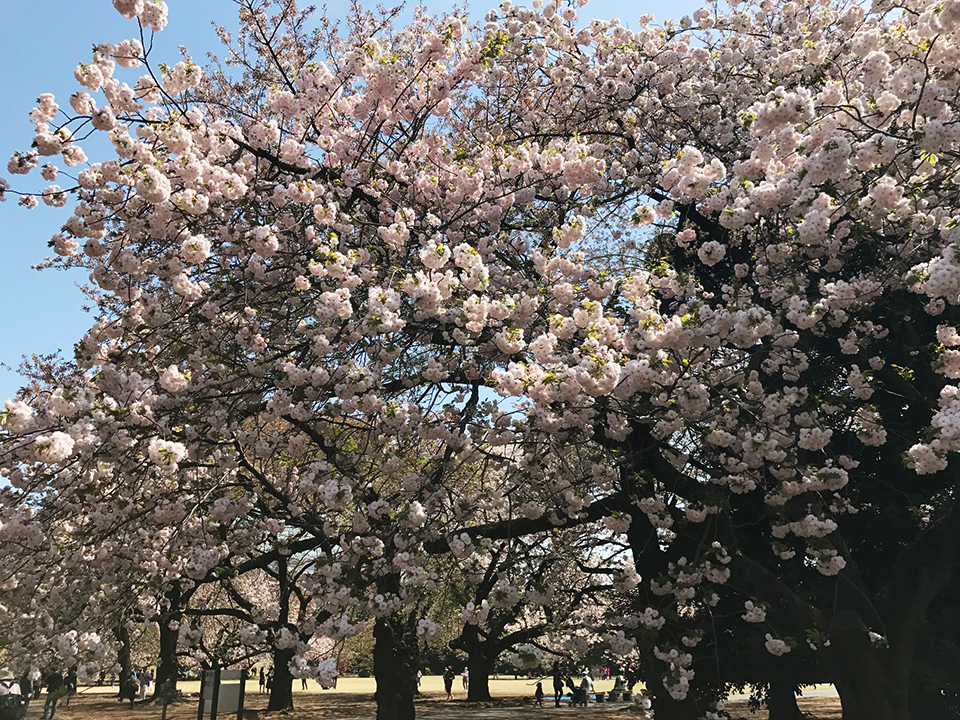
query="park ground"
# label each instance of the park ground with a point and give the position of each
(353, 700)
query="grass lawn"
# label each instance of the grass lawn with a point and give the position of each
(353, 700)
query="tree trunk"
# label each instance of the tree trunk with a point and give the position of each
(123, 657)
(867, 678)
(930, 704)
(168, 668)
(481, 667)
(782, 700)
(664, 706)
(281, 690)
(393, 668)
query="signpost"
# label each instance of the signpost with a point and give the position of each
(221, 691)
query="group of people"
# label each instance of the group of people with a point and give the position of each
(578, 692)
(265, 676)
(136, 685)
(15, 694)
(266, 679)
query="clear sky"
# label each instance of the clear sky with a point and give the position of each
(41, 42)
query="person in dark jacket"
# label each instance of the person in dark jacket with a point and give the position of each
(54, 684)
(26, 689)
(558, 682)
(69, 687)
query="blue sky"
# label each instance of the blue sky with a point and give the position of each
(41, 41)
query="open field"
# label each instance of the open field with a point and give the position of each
(353, 700)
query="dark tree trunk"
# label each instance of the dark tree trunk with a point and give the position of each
(281, 690)
(868, 678)
(123, 657)
(664, 706)
(873, 682)
(782, 700)
(394, 659)
(168, 668)
(929, 704)
(480, 664)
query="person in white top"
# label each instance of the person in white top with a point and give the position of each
(587, 684)
(8, 683)
(11, 698)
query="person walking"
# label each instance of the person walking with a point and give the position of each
(466, 678)
(69, 686)
(557, 683)
(54, 684)
(448, 676)
(144, 679)
(538, 695)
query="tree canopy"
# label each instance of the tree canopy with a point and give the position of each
(367, 298)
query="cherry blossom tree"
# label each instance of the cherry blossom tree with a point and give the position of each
(331, 250)
(519, 590)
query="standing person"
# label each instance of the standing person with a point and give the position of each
(143, 678)
(538, 695)
(448, 676)
(557, 683)
(69, 686)
(26, 690)
(54, 684)
(466, 678)
(270, 680)
(586, 685)
(303, 683)
(263, 680)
